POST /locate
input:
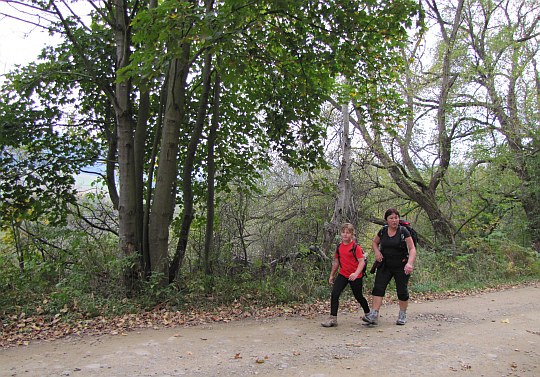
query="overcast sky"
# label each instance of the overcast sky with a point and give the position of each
(20, 42)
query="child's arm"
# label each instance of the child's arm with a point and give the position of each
(335, 266)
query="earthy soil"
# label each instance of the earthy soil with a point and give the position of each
(486, 334)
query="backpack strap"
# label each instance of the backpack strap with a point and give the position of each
(403, 243)
(353, 251)
(381, 233)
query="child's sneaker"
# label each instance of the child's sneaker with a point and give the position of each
(330, 322)
(372, 317)
(402, 318)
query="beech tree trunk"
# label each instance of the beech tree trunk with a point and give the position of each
(187, 173)
(127, 202)
(163, 203)
(210, 200)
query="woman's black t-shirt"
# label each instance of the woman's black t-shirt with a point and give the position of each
(392, 247)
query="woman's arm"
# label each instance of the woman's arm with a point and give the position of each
(409, 267)
(375, 247)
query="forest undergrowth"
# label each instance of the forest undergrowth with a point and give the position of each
(81, 304)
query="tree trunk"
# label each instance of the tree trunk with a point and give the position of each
(127, 207)
(140, 140)
(163, 203)
(343, 210)
(210, 204)
(533, 212)
(187, 173)
(150, 180)
(110, 164)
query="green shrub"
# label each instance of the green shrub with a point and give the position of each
(477, 263)
(90, 281)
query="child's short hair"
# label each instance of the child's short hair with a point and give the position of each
(349, 227)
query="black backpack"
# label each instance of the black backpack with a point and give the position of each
(353, 251)
(414, 236)
(411, 230)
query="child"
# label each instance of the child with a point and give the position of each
(349, 258)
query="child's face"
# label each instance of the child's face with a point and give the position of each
(346, 235)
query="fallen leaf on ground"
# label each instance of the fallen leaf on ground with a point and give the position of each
(20, 329)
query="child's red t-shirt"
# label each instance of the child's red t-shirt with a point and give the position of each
(347, 262)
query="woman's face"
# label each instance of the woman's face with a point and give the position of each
(393, 220)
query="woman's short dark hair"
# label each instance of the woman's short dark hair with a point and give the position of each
(391, 211)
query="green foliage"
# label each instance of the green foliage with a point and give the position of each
(283, 285)
(482, 199)
(40, 153)
(92, 287)
(278, 62)
(478, 263)
(65, 271)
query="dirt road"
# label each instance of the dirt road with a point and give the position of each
(489, 334)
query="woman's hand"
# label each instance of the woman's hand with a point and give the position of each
(408, 269)
(378, 256)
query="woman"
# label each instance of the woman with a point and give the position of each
(395, 251)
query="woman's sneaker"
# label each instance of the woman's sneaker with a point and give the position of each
(330, 322)
(402, 318)
(372, 317)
